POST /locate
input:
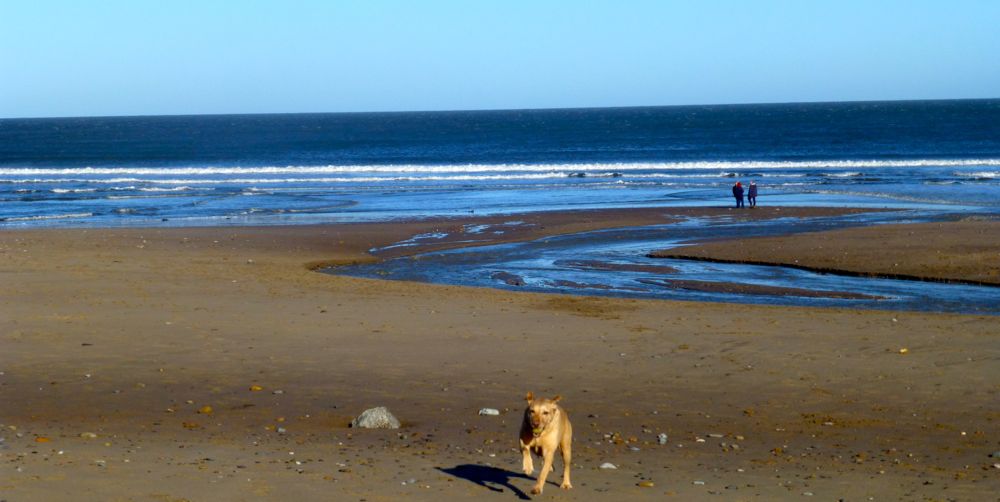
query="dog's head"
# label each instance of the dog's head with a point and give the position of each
(540, 412)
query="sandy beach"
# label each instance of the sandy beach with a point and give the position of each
(216, 364)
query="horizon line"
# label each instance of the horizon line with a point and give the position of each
(473, 110)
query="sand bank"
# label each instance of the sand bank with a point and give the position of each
(114, 342)
(958, 251)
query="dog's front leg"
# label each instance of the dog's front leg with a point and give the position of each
(547, 457)
(567, 456)
(526, 464)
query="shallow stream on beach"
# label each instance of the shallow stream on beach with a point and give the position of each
(615, 263)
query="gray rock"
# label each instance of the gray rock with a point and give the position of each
(489, 411)
(608, 465)
(376, 418)
(662, 438)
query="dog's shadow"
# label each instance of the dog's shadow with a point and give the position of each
(493, 478)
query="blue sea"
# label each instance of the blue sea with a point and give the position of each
(315, 168)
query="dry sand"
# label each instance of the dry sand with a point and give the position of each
(127, 334)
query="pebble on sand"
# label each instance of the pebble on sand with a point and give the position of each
(489, 411)
(376, 418)
(608, 465)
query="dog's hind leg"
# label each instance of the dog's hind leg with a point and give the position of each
(549, 455)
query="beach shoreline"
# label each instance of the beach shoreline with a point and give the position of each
(114, 341)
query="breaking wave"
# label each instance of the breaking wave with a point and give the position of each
(487, 168)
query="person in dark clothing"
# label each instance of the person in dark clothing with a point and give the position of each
(752, 194)
(738, 193)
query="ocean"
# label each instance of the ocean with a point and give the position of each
(314, 168)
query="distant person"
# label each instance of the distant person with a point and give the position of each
(752, 194)
(738, 193)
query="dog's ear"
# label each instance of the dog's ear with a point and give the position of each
(556, 399)
(529, 397)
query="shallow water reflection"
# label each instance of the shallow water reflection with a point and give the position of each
(614, 263)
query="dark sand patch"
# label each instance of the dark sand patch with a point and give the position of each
(508, 278)
(754, 289)
(590, 285)
(624, 267)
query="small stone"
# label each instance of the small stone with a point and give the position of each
(376, 418)
(277, 391)
(608, 465)
(904, 350)
(715, 435)
(88, 435)
(645, 484)
(205, 410)
(662, 438)
(699, 482)
(489, 411)
(282, 430)
(256, 388)
(42, 439)
(807, 494)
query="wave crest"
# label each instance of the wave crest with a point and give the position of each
(483, 168)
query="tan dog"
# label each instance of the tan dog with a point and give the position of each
(545, 429)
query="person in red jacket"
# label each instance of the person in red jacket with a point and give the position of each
(738, 193)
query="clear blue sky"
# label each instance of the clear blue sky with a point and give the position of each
(135, 57)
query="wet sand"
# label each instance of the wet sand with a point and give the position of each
(960, 251)
(754, 289)
(215, 364)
